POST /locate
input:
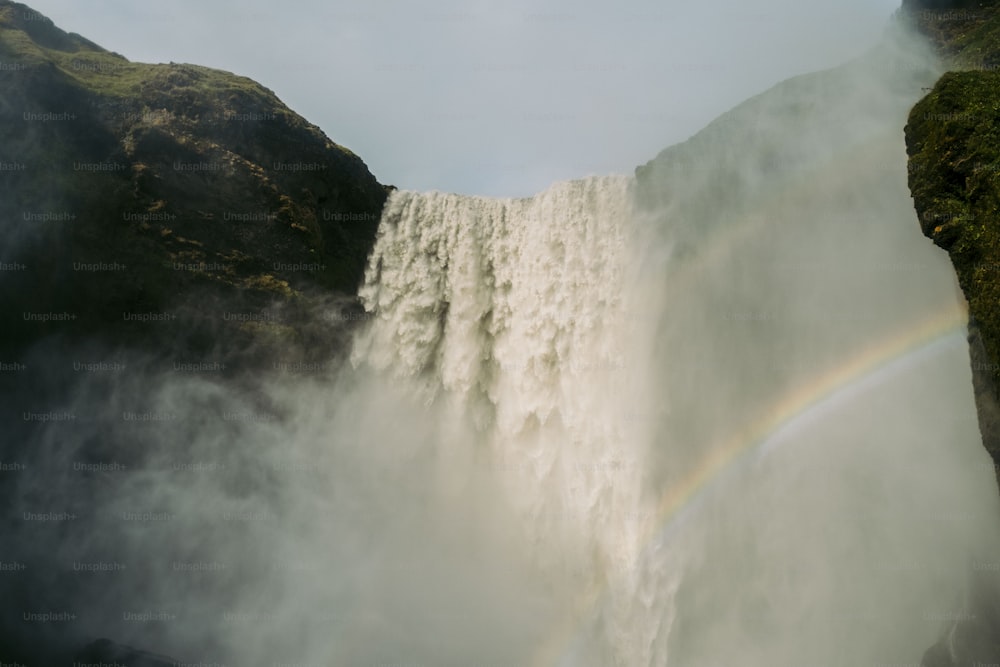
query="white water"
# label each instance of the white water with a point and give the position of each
(529, 328)
(513, 317)
(482, 484)
(587, 354)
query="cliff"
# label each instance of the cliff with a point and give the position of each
(170, 215)
(129, 189)
(954, 150)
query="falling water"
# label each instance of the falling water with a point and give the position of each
(515, 316)
(729, 402)
(719, 413)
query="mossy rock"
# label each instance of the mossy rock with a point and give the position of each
(953, 139)
(154, 167)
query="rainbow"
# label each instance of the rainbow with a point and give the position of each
(887, 355)
(807, 399)
(884, 356)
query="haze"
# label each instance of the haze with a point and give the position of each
(494, 98)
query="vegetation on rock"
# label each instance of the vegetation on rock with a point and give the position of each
(129, 187)
(953, 141)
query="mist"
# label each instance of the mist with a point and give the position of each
(720, 412)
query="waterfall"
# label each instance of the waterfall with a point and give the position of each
(716, 413)
(513, 317)
(705, 393)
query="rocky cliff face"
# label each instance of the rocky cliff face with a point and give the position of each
(954, 150)
(168, 218)
(954, 161)
(961, 30)
(127, 188)
(954, 147)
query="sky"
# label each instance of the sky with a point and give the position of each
(493, 97)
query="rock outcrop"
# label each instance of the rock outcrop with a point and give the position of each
(162, 213)
(953, 142)
(128, 188)
(955, 159)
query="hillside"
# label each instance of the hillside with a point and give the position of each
(129, 188)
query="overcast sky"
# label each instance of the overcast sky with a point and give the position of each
(495, 97)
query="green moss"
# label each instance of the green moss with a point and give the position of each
(953, 138)
(262, 229)
(979, 44)
(969, 38)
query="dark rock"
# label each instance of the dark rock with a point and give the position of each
(954, 159)
(127, 187)
(107, 652)
(962, 31)
(985, 387)
(954, 151)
